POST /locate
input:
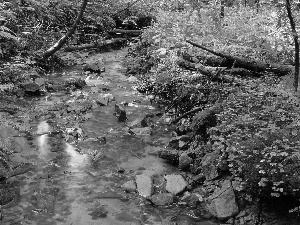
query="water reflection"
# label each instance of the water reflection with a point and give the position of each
(42, 130)
(76, 159)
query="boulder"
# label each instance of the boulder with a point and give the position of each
(144, 185)
(222, 203)
(209, 165)
(184, 161)
(162, 199)
(175, 183)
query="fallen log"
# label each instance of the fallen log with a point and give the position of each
(253, 65)
(213, 73)
(126, 32)
(96, 44)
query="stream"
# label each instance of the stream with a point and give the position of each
(79, 182)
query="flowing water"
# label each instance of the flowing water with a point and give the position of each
(79, 183)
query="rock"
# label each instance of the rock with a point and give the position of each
(102, 101)
(31, 88)
(202, 211)
(136, 123)
(170, 155)
(95, 67)
(184, 161)
(192, 200)
(120, 113)
(175, 183)
(209, 165)
(142, 131)
(75, 82)
(132, 79)
(144, 185)
(40, 81)
(162, 199)
(7, 195)
(129, 186)
(146, 121)
(223, 204)
(179, 142)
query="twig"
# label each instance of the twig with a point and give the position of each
(135, 154)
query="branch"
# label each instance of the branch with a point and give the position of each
(64, 39)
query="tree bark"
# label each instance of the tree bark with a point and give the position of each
(64, 39)
(295, 36)
(252, 65)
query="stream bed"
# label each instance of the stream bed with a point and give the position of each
(79, 182)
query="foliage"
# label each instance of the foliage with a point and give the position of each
(243, 32)
(259, 131)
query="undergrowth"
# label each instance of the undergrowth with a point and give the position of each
(258, 128)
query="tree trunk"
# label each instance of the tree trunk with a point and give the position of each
(64, 39)
(295, 36)
(252, 65)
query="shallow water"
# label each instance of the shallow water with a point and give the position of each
(80, 183)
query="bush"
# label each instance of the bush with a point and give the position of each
(259, 132)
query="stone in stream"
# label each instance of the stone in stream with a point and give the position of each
(142, 121)
(144, 185)
(222, 203)
(143, 131)
(162, 199)
(129, 186)
(95, 67)
(184, 161)
(120, 113)
(102, 101)
(175, 183)
(31, 88)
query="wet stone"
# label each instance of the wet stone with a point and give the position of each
(144, 131)
(120, 113)
(162, 199)
(102, 101)
(6, 196)
(175, 183)
(129, 186)
(31, 88)
(144, 185)
(223, 202)
(99, 212)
